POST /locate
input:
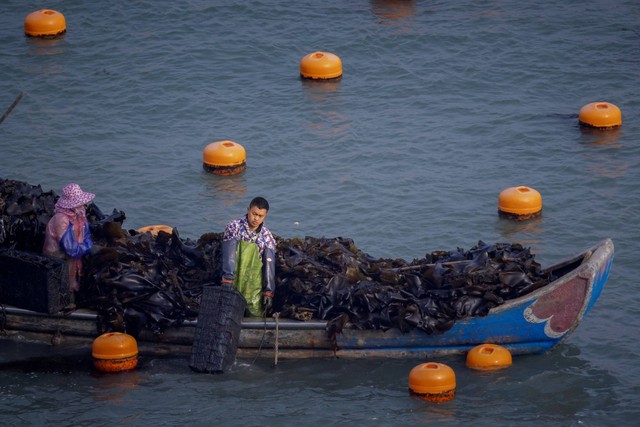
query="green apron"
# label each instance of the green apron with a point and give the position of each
(248, 276)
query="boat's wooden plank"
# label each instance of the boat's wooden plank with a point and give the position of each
(250, 337)
(292, 339)
(50, 325)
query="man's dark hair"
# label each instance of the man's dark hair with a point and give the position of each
(260, 203)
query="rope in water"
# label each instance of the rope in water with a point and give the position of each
(276, 316)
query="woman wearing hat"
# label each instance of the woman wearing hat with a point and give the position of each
(67, 235)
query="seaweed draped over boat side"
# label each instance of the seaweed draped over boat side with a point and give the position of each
(140, 281)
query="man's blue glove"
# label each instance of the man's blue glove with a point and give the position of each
(228, 260)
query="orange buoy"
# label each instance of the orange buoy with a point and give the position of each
(224, 158)
(45, 23)
(488, 357)
(320, 66)
(115, 351)
(154, 229)
(432, 381)
(602, 115)
(519, 203)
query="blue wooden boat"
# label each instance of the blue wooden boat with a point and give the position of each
(533, 323)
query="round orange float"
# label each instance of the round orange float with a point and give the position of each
(224, 158)
(115, 351)
(520, 203)
(155, 229)
(320, 66)
(432, 381)
(602, 115)
(45, 23)
(488, 357)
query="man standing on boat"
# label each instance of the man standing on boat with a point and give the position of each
(67, 235)
(249, 257)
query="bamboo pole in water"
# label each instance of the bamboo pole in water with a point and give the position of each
(11, 107)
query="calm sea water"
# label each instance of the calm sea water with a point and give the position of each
(442, 105)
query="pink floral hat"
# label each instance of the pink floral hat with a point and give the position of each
(73, 196)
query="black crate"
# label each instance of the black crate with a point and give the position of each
(33, 281)
(218, 330)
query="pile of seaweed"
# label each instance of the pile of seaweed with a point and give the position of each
(140, 281)
(332, 279)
